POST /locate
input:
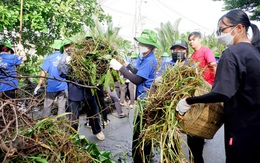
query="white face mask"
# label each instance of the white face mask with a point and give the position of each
(226, 38)
(142, 49)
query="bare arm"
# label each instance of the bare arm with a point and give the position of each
(214, 65)
(43, 74)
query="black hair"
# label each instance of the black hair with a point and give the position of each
(195, 34)
(238, 16)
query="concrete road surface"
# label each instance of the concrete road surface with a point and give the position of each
(119, 140)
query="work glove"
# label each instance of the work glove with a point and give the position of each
(68, 59)
(114, 64)
(182, 106)
(158, 80)
(36, 89)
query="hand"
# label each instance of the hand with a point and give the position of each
(182, 106)
(36, 89)
(114, 64)
(68, 59)
(158, 80)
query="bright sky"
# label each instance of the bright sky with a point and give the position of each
(199, 15)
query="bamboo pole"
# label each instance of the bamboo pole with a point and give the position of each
(21, 22)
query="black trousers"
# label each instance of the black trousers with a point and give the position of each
(196, 145)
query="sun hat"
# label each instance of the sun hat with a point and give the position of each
(7, 44)
(180, 43)
(66, 42)
(57, 44)
(216, 55)
(165, 54)
(134, 55)
(148, 37)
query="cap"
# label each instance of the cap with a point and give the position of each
(148, 37)
(165, 54)
(180, 43)
(57, 44)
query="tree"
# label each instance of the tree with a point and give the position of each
(251, 6)
(46, 20)
(110, 34)
(167, 33)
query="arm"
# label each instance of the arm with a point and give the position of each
(207, 98)
(214, 65)
(43, 74)
(132, 77)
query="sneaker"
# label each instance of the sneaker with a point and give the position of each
(87, 125)
(100, 136)
(106, 122)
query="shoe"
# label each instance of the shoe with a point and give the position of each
(100, 136)
(106, 122)
(87, 125)
(122, 115)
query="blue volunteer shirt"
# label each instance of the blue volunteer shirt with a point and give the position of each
(8, 63)
(50, 66)
(146, 69)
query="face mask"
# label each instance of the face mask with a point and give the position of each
(226, 38)
(69, 51)
(178, 56)
(142, 49)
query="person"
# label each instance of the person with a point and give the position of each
(205, 59)
(55, 88)
(114, 97)
(8, 63)
(129, 88)
(237, 85)
(78, 95)
(142, 76)
(203, 56)
(166, 59)
(134, 61)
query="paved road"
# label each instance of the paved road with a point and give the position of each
(119, 140)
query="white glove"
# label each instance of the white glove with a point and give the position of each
(20, 47)
(182, 106)
(36, 89)
(158, 80)
(68, 59)
(114, 64)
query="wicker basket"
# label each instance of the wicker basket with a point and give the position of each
(203, 120)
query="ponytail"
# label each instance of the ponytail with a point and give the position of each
(256, 36)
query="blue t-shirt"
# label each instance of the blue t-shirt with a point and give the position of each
(8, 63)
(135, 61)
(50, 66)
(146, 69)
(164, 63)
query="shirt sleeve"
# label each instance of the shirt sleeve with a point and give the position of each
(145, 69)
(209, 56)
(227, 76)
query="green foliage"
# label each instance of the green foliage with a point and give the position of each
(251, 6)
(46, 20)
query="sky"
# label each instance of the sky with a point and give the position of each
(132, 16)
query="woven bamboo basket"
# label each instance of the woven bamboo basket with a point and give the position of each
(203, 120)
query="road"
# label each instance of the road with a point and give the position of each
(119, 140)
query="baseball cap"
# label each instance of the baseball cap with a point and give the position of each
(148, 37)
(180, 43)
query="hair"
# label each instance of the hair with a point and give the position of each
(4, 49)
(195, 34)
(238, 16)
